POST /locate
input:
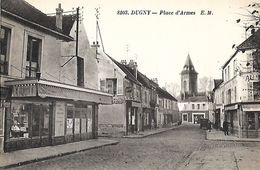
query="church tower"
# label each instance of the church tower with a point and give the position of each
(188, 80)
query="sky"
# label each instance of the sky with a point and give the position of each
(161, 43)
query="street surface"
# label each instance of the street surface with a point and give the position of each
(182, 148)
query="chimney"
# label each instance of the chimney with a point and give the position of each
(133, 65)
(123, 62)
(155, 80)
(59, 12)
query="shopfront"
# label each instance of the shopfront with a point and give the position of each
(132, 110)
(43, 113)
(28, 125)
(251, 120)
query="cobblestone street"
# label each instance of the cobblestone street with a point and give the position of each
(182, 148)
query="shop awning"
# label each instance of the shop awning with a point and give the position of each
(251, 107)
(45, 88)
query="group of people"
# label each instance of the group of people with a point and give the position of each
(225, 127)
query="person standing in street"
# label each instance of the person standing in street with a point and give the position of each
(209, 126)
(225, 127)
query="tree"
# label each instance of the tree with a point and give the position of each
(252, 17)
(173, 89)
(205, 84)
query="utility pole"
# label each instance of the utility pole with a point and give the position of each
(95, 43)
(80, 61)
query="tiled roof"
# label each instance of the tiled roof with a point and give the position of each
(252, 42)
(24, 10)
(188, 66)
(164, 94)
(67, 22)
(129, 75)
(145, 81)
(217, 82)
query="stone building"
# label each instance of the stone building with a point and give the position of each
(193, 105)
(43, 100)
(237, 97)
(124, 116)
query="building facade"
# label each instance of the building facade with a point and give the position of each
(167, 111)
(43, 100)
(239, 92)
(124, 116)
(193, 105)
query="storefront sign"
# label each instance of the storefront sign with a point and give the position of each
(233, 107)
(251, 107)
(59, 119)
(119, 100)
(136, 104)
(24, 90)
(252, 77)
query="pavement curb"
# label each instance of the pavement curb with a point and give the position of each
(144, 136)
(231, 140)
(56, 155)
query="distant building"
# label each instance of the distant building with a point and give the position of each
(193, 105)
(237, 95)
(167, 112)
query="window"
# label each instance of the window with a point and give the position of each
(193, 106)
(33, 56)
(228, 73)
(89, 117)
(235, 93)
(109, 86)
(256, 60)
(203, 105)
(145, 97)
(185, 86)
(198, 106)
(235, 67)
(5, 37)
(256, 90)
(229, 96)
(69, 121)
(225, 75)
(29, 120)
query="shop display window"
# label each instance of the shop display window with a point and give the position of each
(69, 121)
(84, 121)
(45, 122)
(251, 121)
(29, 120)
(19, 121)
(89, 117)
(77, 121)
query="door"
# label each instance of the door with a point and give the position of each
(40, 125)
(185, 117)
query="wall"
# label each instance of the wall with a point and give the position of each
(112, 120)
(50, 54)
(69, 72)
(241, 73)
(108, 69)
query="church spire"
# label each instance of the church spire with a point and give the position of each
(188, 66)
